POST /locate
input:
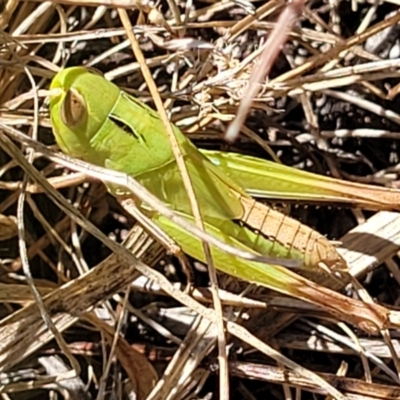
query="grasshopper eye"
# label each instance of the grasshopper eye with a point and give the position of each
(73, 109)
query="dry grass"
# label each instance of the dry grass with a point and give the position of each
(329, 106)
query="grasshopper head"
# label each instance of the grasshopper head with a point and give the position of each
(80, 102)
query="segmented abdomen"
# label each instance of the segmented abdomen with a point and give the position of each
(315, 249)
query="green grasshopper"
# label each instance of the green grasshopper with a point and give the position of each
(96, 121)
